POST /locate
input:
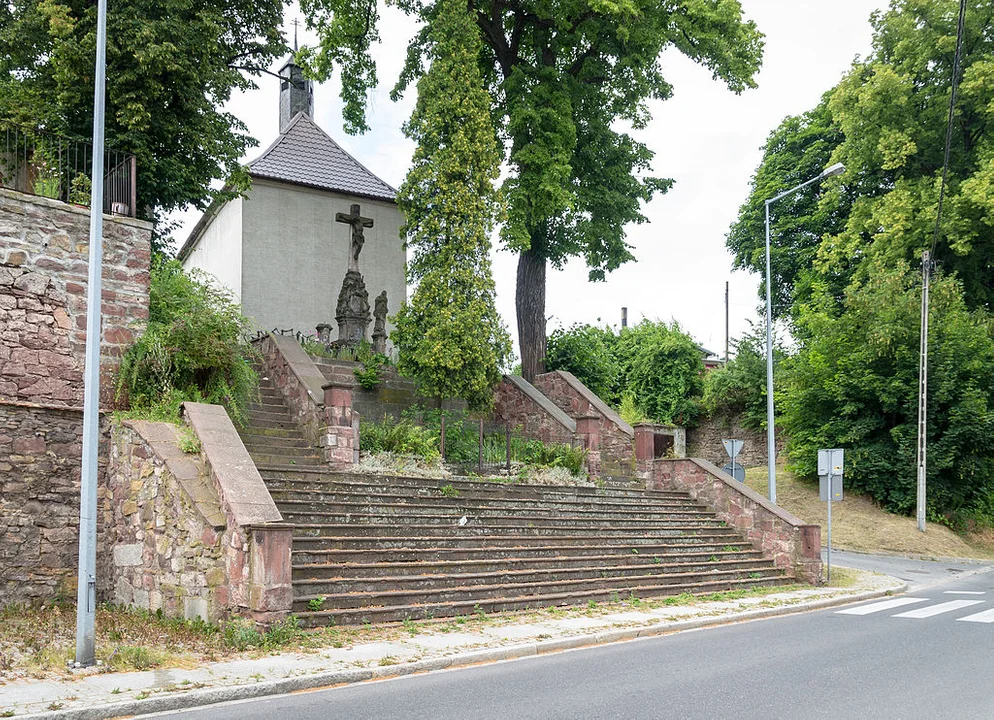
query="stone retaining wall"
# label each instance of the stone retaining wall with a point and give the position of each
(519, 403)
(44, 246)
(704, 441)
(786, 539)
(40, 453)
(614, 456)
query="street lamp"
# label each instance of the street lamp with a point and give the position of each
(836, 169)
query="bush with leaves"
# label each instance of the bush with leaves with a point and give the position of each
(739, 387)
(663, 368)
(586, 351)
(854, 384)
(403, 437)
(194, 348)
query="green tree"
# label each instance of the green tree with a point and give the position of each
(587, 352)
(854, 385)
(739, 387)
(171, 66)
(662, 368)
(449, 335)
(886, 120)
(563, 80)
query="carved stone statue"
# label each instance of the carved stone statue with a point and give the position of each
(357, 222)
(380, 324)
(352, 312)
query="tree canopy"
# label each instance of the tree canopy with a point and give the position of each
(171, 66)
(847, 255)
(563, 81)
(449, 335)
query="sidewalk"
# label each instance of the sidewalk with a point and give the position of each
(106, 695)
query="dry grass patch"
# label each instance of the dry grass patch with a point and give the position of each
(859, 524)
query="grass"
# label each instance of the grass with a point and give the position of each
(860, 525)
(37, 642)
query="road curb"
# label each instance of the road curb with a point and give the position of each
(181, 700)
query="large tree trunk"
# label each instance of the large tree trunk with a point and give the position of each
(530, 304)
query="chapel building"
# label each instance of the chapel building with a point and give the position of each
(283, 249)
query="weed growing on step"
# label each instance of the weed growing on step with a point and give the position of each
(315, 604)
(188, 442)
(449, 491)
(411, 626)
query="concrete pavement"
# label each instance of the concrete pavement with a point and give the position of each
(105, 695)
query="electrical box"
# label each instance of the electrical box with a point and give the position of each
(831, 462)
(823, 490)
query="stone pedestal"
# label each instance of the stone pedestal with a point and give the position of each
(352, 313)
(340, 437)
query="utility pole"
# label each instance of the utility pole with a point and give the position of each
(726, 322)
(923, 391)
(86, 578)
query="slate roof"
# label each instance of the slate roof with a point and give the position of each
(306, 155)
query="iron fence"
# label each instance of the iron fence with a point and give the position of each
(41, 163)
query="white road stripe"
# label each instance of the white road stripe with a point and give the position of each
(880, 606)
(965, 592)
(931, 610)
(987, 616)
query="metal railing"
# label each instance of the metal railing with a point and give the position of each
(41, 163)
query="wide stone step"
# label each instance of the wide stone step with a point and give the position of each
(493, 518)
(311, 539)
(270, 433)
(535, 579)
(426, 496)
(280, 478)
(289, 458)
(458, 508)
(264, 444)
(398, 610)
(389, 529)
(261, 417)
(595, 564)
(311, 552)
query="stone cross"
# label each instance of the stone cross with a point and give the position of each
(358, 223)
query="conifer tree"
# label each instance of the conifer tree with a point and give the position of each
(450, 337)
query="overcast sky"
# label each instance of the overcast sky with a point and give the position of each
(706, 138)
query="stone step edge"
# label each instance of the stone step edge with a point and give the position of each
(457, 608)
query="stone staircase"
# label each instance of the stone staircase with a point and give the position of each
(375, 549)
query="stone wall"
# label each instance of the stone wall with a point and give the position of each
(787, 540)
(40, 452)
(44, 247)
(704, 441)
(163, 536)
(191, 535)
(392, 395)
(616, 459)
(518, 402)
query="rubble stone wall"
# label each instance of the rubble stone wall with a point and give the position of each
(44, 247)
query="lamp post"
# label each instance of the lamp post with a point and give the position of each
(836, 169)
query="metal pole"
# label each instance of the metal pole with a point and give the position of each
(771, 455)
(507, 450)
(923, 393)
(726, 322)
(480, 463)
(86, 582)
(829, 525)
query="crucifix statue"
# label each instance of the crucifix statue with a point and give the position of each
(358, 223)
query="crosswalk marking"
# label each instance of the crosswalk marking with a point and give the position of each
(881, 606)
(964, 592)
(931, 610)
(987, 616)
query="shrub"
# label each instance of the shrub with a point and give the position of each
(403, 437)
(586, 351)
(194, 348)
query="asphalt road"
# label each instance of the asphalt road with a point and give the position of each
(930, 657)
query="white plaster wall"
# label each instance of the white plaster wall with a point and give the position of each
(219, 252)
(295, 255)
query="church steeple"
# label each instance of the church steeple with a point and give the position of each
(296, 94)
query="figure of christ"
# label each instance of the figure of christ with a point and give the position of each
(357, 222)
